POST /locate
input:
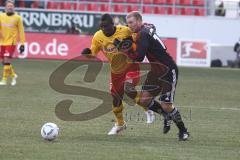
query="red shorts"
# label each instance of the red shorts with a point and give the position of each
(132, 75)
(7, 51)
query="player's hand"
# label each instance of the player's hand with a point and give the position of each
(86, 51)
(21, 49)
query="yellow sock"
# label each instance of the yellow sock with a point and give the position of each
(118, 114)
(12, 71)
(6, 72)
(137, 102)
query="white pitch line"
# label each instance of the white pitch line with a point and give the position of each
(222, 108)
(233, 109)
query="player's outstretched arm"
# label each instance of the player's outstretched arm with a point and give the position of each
(21, 31)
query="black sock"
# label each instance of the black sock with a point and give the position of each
(156, 107)
(177, 119)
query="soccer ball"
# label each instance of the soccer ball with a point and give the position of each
(49, 131)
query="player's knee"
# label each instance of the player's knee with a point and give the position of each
(117, 109)
(130, 90)
(117, 100)
(168, 107)
(144, 101)
(145, 98)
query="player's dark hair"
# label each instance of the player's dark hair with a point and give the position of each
(107, 18)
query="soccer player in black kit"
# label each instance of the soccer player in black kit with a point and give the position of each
(162, 78)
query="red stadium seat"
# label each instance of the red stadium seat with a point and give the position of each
(118, 1)
(169, 10)
(35, 4)
(68, 6)
(81, 7)
(178, 11)
(147, 9)
(200, 12)
(52, 5)
(199, 2)
(21, 4)
(171, 1)
(184, 2)
(118, 8)
(133, 1)
(159, 10)
(186, 11)
(132, 8)
(147, 1)
(159, 1)
(104, 8)
(92, 7)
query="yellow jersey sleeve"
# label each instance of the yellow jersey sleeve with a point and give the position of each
(96, 46)
(0, 29)
(125, 30)
(21, 30)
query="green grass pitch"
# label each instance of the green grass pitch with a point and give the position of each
(209, 100)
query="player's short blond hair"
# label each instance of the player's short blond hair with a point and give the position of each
(9, 1)
(135, 14)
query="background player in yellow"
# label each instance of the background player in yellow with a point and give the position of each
(11, 27)
(108, 39)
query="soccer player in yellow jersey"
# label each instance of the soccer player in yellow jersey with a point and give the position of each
(11, 26)
(108, 39)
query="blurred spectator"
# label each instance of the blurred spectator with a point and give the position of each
(28, 4)
(42, 4)
(237, 50)
(73, 29)
(239, 8)
(17, 3)
(119, 20)
(220, 10)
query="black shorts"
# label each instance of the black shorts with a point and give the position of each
(163, 85)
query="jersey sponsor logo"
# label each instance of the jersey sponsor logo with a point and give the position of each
(6, 54)
(11, 25)
(110, 48)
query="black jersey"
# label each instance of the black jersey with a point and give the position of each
(150, 45)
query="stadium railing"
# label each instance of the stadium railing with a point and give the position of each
(158, 7)
(164, 7)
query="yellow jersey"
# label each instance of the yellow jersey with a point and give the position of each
(119, 61)
(10, 28)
